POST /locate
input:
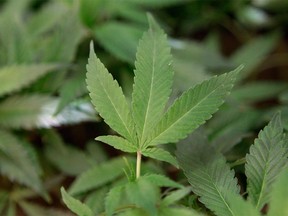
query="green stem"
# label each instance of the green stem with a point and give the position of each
(138, 164)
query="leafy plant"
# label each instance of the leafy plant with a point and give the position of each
(146, 124)
(214, 182)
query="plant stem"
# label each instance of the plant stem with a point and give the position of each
(138, 164)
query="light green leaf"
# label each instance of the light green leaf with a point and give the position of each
(62, 43)
(158, 3)
(16, 77)
(108, 98)
(97, 176)
(176, 195)
(32, 209)
(178, 211)
(75, 205)
(153, 80)
(112, 199)
(257, 91)
(192, 109)
(160, 154)
(95, 200)
(118, 143)
(253, 53)
(240, 207)
(161, 180)
(16, 164)
(134, 212)
(11, 210)
(70, 90)
(208, 173)
(279, 199)
(143, 194)
(68, 159)
(266, 158)
(123, 44)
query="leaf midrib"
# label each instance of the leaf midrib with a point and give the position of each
(108, 96)
(150, 93)
(220, 195)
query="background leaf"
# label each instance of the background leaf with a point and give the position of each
(278, 204)
(16, 77)
(266, 158)
(208, 173)
(16, 163)
(75, 205)
(192, 109)
(98, 176)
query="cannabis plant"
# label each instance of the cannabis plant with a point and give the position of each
(146, 124)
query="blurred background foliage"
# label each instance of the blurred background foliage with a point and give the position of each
(47, 124)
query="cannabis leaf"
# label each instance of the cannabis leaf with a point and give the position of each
(16, 77)
(108, 98)
(18, 163)
(147, 124)
(279, 200)
(75, 205)
(97, 176)
(153, 80)
(208, 173)
(266, 158)
(241, 207)
(192, 109)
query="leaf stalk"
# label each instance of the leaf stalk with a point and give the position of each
(138, 164)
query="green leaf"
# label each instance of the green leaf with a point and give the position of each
(155, 4)
(241, 207)
(161, 180)
(113, 199)
(279, 199)
(118, 143)
(257, 91)
(16, 77)
(134, 212)
(97, 176)
(37, 210)
(95, 200)
(160, 154)
(11, 210)
(123, 44)
(16, 163)
(176, 195)
(192, 109)
(178, 211)
(75, 205)
(4, 198)
(143, 194)
(208, 173)
(69, 160)
(108, 98)
(62, 43)
(266, 158)
(71, 89)
(253, 53)
(153, 80)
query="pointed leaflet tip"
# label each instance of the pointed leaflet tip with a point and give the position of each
(92, 51)
(153, 25)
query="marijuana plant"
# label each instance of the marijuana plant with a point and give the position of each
(214, 181)
(145, 124)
